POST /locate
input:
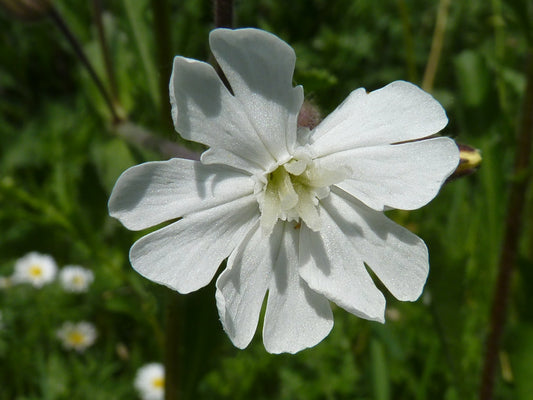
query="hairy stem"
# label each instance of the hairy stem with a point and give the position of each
(513, 228)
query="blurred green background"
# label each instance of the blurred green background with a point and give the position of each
(60, 154)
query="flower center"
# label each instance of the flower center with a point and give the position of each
(36, 271)
(292, 191)
(76, 338)
(77, 280)
(158, 383)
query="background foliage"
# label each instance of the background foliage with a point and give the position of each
(60, 155)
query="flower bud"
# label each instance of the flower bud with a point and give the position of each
(309, 115)
(470, 160)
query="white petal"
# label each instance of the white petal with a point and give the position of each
(241, 288)
(259, 67)
(398, 257)
(186, 254)
(398, 112)
(204, 111)
(405, 176)
(150, 193)
(296, 317)
(333, 266)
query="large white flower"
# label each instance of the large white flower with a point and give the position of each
(298, 213)
(36, 269)
(150, 381)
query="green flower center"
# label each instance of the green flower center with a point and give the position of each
(293, 190)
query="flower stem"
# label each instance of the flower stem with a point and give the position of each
(98, 11)
(223, 13)
(173, 350)
(499, 54)
(73, 41)
(223, 10)
(436, 45)
(161, 12)
(142, 138)
(513, 227)
(408, 41)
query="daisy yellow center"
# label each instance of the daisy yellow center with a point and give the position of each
(76, 338)
(36, 271)
(158, 383)
(77, 280)
(292, 191)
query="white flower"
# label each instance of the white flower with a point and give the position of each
(298, 213)
(150, 381)
(77, 336)
(74, 278)
(36, 269)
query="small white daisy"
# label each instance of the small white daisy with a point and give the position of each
(76, 279)
(36, 269)
(150, 381)
(77, 336)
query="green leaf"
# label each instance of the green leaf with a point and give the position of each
(136, 14)
(473, 76)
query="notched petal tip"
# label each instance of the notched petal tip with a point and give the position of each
(296, 347)
(253, 34)
(398, 112)
(415, 96)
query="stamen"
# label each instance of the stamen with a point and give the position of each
(295, 167)
(293, 190)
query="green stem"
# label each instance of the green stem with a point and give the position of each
(173, 347)
(134, 14)
(444, 342)
(408, 41)
(499, 52)
(436, 45)
(513, 228)
(73, 41)
(161, 11)
(108, 62)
